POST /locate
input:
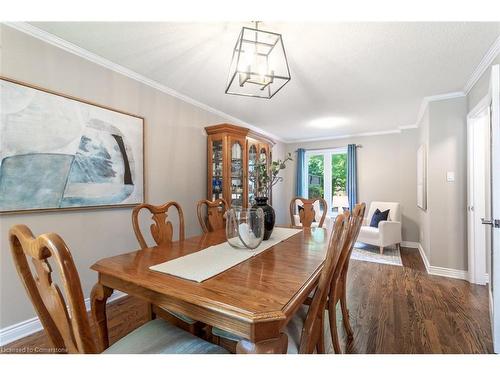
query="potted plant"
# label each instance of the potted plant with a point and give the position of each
(266, 179)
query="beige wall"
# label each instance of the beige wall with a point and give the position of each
(279, 204)
(175, 156)
(448, 200)
(386, 172)
(443, 129)
(443, 226)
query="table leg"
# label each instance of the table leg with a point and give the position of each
(98, 298)
(276, 345)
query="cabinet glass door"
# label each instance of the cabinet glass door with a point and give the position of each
(217, 163)
(252, 174)
(236, 188)
(263, 160)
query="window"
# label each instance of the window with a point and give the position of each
(326, 172)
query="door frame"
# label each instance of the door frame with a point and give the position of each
(473, 253)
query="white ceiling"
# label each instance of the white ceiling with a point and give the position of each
(347, 78)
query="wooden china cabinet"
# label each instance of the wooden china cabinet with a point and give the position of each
(233, 152)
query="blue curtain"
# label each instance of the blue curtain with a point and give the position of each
(300, 182)
(352, 176)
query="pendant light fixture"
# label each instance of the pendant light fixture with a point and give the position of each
(259, 67)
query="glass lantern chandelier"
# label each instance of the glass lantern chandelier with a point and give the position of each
(259, 67)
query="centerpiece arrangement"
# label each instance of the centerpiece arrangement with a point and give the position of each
(265, 180)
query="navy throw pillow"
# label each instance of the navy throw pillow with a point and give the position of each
(302, 207)
(379, 216)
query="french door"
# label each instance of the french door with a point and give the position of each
(326, 177)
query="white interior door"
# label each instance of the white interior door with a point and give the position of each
(478, 192)
(494, 93)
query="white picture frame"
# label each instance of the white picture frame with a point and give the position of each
(421, 178)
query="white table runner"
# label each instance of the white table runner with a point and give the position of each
(204, 264)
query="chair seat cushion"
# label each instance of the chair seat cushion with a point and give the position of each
(293, 331)
(160, 337)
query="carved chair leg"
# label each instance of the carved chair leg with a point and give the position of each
(332, 314)
(98, 297)
(320, 346)
(277, 345)
(345, 313)
(381, 249)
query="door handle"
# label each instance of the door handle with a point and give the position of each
(486, 221)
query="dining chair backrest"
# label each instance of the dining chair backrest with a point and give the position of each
(355, 223)
(313, 325)
(214, 218)
(162, 229)
(340, 273)
(64, 320)
(307, 214)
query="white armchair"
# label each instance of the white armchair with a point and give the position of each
(388, 232)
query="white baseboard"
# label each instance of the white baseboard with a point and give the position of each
(441, 271)
(413, 245)
(449, 272)
(28, 327)
(424, 257)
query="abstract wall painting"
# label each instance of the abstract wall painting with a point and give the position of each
(57, 152)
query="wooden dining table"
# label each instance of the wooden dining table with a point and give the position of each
(254, 299)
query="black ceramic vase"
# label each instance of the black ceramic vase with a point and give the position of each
(269, 216)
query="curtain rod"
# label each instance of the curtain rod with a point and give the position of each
(328, 148)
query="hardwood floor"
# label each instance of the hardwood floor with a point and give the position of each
(405, 310)
(393, 310)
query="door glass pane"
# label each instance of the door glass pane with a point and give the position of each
(236, 174)
(216, 169)
(252, 174)
(340, 202)
(315, 178)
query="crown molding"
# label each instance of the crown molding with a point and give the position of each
(54, 40)
(484, 64)
(436, 98)
(405, 127)
(31, 30)
(367, 134)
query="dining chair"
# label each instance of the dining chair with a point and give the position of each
(64, 316)
(162, 232)
(306, 329)
(162, 229)
(214, 218)
(338, 288)
(308, 212)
